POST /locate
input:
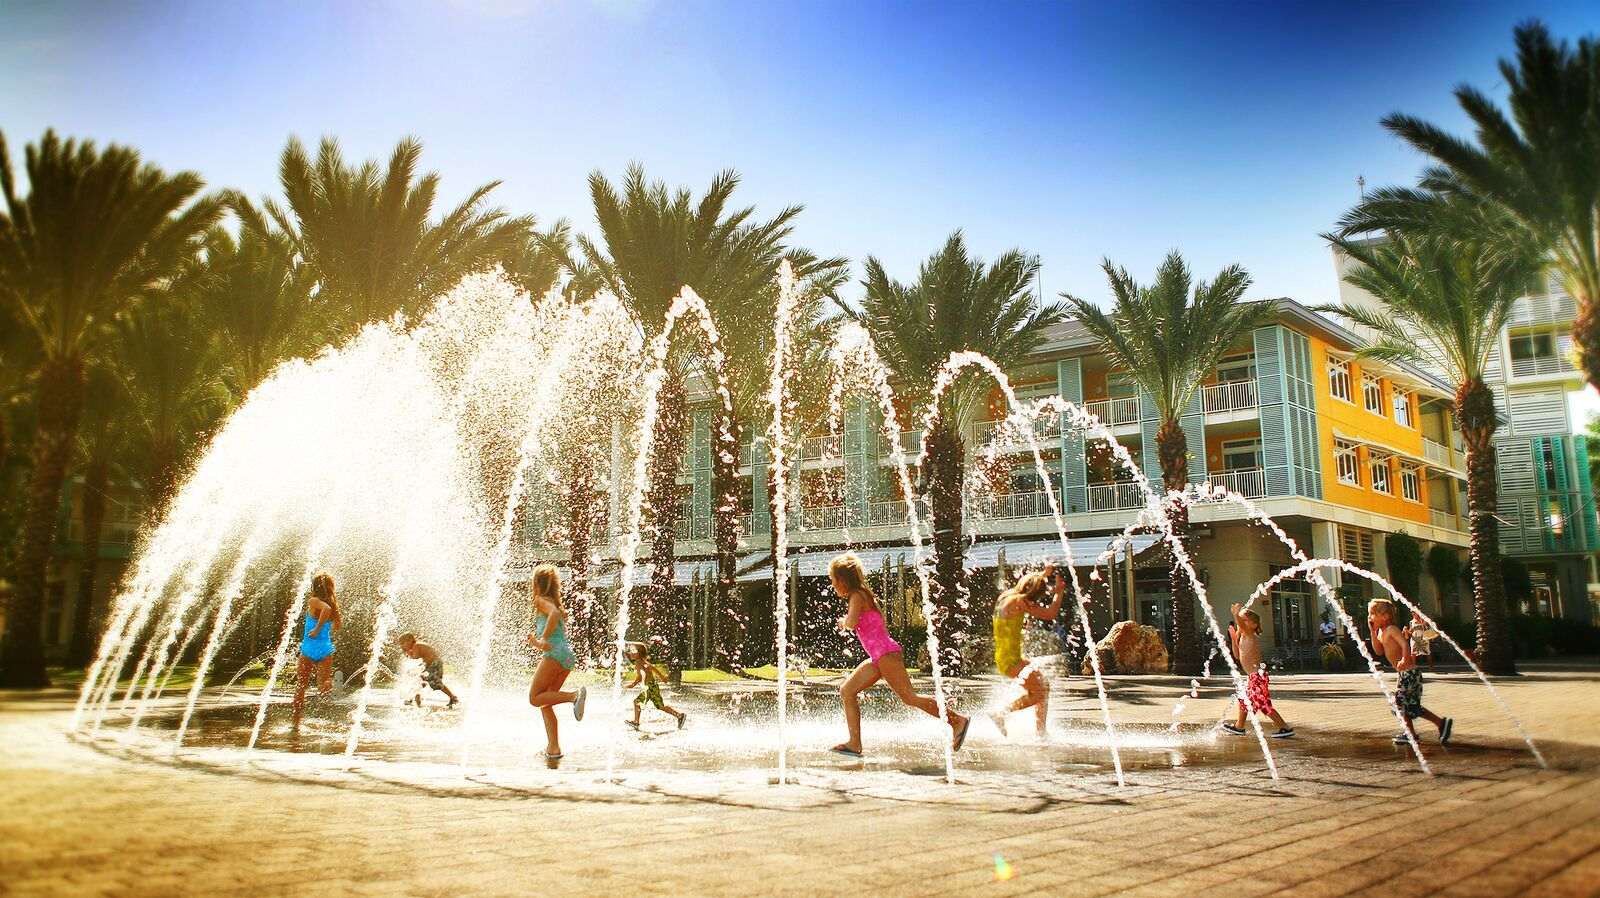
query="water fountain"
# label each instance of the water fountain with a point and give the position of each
(409, 459)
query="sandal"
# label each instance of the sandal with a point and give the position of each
(847, 751)
(961, 735)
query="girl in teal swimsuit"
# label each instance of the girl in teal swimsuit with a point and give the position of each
(550, 636)
(316, 645)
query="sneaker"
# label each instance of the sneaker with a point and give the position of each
(1445, 730)
(578, 702)
(1402, 739)
(1285, 733)
(1230, 729)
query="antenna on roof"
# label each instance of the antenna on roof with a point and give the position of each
(1361, 185)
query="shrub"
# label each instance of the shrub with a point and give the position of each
(1405, 563)
(1444, 566)
(1333, 657)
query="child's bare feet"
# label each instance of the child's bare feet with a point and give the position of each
(999, 722)
(846, 749)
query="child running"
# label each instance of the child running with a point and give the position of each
(432, 666)
(1394, 644)
(1011, 610)
(646, 670)
(550, 636)
(316, 644)
(1246, 632)
(884, 658)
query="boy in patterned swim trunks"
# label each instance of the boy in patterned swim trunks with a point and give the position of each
(432, 666)
(1246, 632)
(644, 670)
(1395, 645)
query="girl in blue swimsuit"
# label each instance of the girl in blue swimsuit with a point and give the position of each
(550, 636)
(316, 645)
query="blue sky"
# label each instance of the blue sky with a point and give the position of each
(1074, 130)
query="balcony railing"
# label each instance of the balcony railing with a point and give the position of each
(1115, 496)
(1250, 483)
(1439, 454)
(815, 448)
(1115, 412)
(910, 444)
(1229, 397)
(1045, 431)
(1014, 505)
(1444, 519)
(828, 517)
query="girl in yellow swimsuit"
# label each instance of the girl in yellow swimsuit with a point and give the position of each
(1014, 606)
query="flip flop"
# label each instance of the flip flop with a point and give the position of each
(552, 757)
(681, 719)
(845, 750)
(578, 702)
(961, 736)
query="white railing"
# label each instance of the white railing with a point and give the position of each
(892, 513)
(1115, 412)
(1444, 519)
(827, 517)
(1115, 496)
(1250, 483)
(1229, 397)
(910, 444)
(1006, 433)
(815, 448)
(1034, 504)
(1437, 453)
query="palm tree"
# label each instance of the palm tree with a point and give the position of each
(956, 304)
(170, 358)
(96, 230)
(656, 242)
(101, 439)
(746, 318)
(259, 297)
(1444, 302)
(369, 236)
(1537, 167)
(1169, 338)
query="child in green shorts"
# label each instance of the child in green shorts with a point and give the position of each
(644, 670)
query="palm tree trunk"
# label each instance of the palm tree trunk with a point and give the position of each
(1475, 413)
(725, 485)
(945, 469)
(92, 511)
(664, 614)
(581, 499)
(1172, 448)
(60, 395)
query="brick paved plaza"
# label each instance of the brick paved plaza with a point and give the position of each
(1351, 813)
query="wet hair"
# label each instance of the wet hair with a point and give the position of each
(1384, 605)
(1030, 587)
(322, 588)
(847, 569)
(547, 583)
(407, 638)
(1253, 617)
(637, 651)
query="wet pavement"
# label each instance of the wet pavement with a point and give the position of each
(697, 811)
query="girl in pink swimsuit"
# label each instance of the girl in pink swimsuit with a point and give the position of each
(885, 660)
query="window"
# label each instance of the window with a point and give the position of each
(1355, 546)
(1402, 409)
(1344, 455)
(1540, 345)
(1241, 455)
(1372, 393)
(1339, 379)
(1410, 487)
(1378, 469)
(1119, 386)
(1236, 368)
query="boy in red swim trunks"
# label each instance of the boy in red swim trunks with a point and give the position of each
(1247, 648)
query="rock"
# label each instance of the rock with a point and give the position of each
(1130, 648)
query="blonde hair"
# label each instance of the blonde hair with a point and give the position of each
(547, 582)
(847, 569)
(1029, 587)
(1253, 617)
(1383, 605)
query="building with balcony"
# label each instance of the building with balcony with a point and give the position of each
(1339, 453)
(1547, 511)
